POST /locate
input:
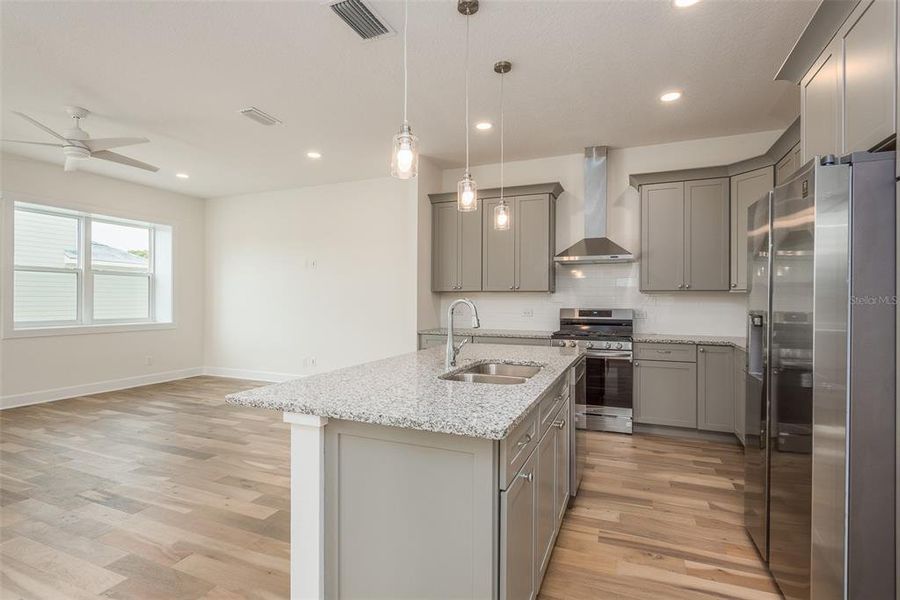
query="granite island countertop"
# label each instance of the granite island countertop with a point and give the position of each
(707, 340)
(404, 391)
(500, 333)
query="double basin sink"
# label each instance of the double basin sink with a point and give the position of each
(494, 372)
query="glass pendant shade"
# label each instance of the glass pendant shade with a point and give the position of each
(501, 216)
(405, 155)
(467, 194)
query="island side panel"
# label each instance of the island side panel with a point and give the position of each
(409, 514)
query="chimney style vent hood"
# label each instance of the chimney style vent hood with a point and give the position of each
(595, 247)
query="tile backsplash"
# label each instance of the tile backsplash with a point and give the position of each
(610, 286)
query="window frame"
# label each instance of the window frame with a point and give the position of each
(84, 272)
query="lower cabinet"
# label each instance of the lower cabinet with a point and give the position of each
(715, 388)
(546, 498)
(517, 539)
(665, 393)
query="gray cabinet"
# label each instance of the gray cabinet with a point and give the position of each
(788, 165)
(820, 106)
(740, 394)
(561, 424)
(456, 249)
(715, 388)
(746, 189)
(518, 579)
(520, 258)
(665, 393)
(685, 235)
(545, 514)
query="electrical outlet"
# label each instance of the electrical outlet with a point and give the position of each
(313, 362)
(148, 360)
(528, 312)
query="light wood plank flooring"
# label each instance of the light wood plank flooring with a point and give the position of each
(165, 492)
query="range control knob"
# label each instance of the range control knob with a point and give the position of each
(572, 344)
(606, 345)
(618, 345)
(590, 345)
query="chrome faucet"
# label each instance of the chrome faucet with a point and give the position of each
(453, 349)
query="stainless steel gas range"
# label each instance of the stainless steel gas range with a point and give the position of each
(604, 336)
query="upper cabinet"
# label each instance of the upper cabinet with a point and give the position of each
(787, 166)
(685, 236)
(746, 189)
(847, 97)
(468, 254)
(456, 249)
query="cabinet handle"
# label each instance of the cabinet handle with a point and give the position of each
(664, 351)
(524, 441)
(559, 424)
(517, 287)
(637, 364)
(734, 285)
(687, 285)
(680, 286)
(512, 287)
(529, 477)
(701, 350)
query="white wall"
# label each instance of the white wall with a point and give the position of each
(614, 286)
(270, 311)
(40, 368)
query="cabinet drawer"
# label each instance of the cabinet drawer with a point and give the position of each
(487, 339)
(517, 447)
(676, 352)
(550, 405)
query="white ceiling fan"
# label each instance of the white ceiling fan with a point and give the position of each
(77, 144)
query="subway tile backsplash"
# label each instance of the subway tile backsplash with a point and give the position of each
(610, 286)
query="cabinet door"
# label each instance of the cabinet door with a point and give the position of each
(787, 166)
(820, 106)
(715, 388)
(533, 252)
(740, 394)
(445, 247)
(470, 250)
(746, 189)
(662, 236)
(562, 424)
(665, 393)
(499, 260)
(706, 234)
(869, 52)
(517, 552)
(545, 515)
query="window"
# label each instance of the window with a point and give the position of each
(75, 269)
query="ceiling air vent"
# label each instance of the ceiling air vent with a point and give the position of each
(361, 19)
(259, 116)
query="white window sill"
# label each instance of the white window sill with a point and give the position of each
(30, 332)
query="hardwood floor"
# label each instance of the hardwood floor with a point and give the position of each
(165, 492)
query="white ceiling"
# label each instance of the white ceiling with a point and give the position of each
(583, 73)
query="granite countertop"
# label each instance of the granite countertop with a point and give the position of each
(708, 340)
(504, 333)
(404, 391)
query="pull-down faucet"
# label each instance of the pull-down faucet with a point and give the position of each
(452, 349)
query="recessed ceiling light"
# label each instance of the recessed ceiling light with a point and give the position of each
(314, 154)
(182, 176)
(483, 125)
(670, 96)
(684, 3)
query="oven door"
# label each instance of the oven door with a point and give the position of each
(609, 394)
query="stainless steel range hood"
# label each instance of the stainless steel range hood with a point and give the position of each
(595, 247)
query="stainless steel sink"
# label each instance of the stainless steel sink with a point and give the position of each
(494, 372)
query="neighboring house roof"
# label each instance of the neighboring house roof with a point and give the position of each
(108, 254)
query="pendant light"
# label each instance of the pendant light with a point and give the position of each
(467, 189)
(405, 155)
(501, 211)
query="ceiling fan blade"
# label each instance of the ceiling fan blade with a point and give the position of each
(35, 143)
(107, 143)
(41, 125)
(71, 164)
(118, 158)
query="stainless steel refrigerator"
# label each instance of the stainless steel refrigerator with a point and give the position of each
(820, 447)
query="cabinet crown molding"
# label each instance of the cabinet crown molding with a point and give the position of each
(554, 188)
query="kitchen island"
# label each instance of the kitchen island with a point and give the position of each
(405, 484)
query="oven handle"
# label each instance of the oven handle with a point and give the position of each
(613, 355)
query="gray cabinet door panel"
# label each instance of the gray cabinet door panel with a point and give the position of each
(445, 247)
(662, 236)
(746, 189)
(517, 524)
(533, 252)
(706, 234)
(868, 75)
(665, 393)
(470, 250)
(786, 167)
(820, 106)
(545, 513)
(715, 388)
(499, 259)
(562, 462)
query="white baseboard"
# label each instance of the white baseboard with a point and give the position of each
(268, 376)
(111, 385)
